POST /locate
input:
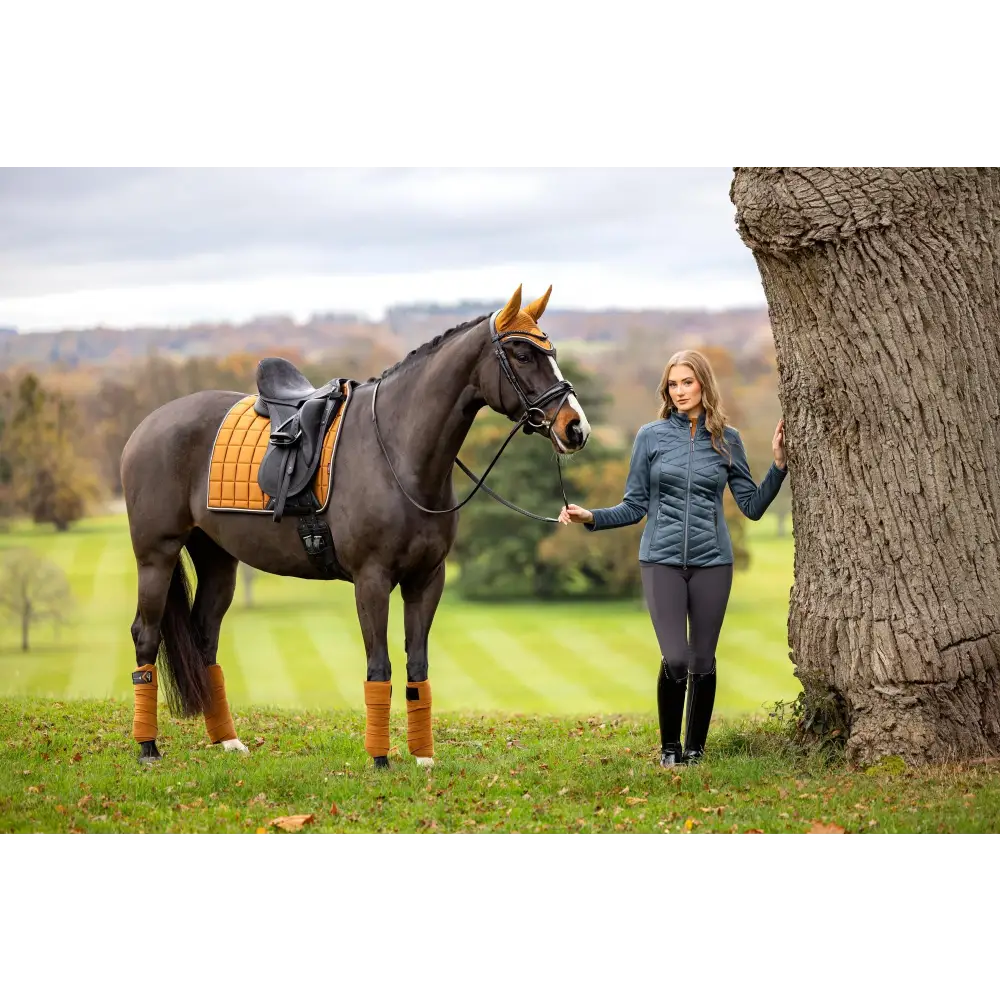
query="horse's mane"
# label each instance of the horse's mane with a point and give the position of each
(424, 349)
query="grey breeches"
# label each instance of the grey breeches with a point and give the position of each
(675, 595)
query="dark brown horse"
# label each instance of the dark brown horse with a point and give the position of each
(379, 515)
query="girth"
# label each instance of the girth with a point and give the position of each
(300, 416)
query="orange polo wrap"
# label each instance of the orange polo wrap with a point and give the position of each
(419, 736)
(378, 695)
(218, 719)
(144, 686)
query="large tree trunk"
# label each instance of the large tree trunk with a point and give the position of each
(883, 295)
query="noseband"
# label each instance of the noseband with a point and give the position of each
(533, 420)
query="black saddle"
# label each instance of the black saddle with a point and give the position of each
(300, 416)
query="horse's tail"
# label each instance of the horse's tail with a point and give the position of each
(179, 660)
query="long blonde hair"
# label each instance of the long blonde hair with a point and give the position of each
(715, 415)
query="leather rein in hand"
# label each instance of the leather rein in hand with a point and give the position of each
(532, 418)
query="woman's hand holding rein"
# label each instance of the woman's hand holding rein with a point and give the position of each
(575, 515)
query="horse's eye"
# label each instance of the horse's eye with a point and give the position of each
(523, 358)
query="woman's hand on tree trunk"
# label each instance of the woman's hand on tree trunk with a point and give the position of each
(575, 515)
(778, 444)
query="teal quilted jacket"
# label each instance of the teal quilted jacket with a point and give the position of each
(677, 482)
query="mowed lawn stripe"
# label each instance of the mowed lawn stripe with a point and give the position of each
(308, 667)
(95, 664)
(473, 647)
(453, 686)
(262, 661)
(526, 656)
(620, 675)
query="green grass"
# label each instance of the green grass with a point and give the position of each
(70, 767)
(300, 645)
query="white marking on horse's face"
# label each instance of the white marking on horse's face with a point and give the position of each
(573, 403)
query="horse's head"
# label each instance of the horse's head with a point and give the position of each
(522, 380)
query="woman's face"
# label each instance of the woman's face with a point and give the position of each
(684, 389)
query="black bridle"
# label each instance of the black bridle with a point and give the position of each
(532, 419)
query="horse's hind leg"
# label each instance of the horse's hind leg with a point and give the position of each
(156, 567)
(371, 594)
(217, 572)
(420, 601)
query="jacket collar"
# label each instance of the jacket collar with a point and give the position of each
(682, 420)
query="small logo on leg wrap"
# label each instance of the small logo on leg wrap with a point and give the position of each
(142, 676)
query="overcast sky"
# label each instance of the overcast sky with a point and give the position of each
(129, 247)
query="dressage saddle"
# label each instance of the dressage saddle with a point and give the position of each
(300, 416)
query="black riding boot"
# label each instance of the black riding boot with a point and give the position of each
(701, 701)
(670, 702)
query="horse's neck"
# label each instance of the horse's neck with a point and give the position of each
(434, 403)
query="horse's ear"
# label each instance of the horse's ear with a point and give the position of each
(509, 312)
(536, 308)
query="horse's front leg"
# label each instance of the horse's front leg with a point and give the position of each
(371, 594)
(420, 601)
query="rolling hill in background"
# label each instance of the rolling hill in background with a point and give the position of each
(740, 331)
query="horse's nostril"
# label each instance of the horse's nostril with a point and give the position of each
(574, 433)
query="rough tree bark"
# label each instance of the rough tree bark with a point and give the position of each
(883, 286)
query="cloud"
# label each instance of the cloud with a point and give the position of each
(172, 241)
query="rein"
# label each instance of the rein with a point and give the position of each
(533, 419)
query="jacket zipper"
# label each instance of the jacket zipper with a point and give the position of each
(687, 501)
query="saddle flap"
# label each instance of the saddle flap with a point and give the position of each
(286, 470)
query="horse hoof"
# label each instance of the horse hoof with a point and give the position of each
(234, 746)
(381, 763)
(424, 761)
(148, 754)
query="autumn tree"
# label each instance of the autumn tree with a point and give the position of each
(32, 589)
(51, 475)
(884, 293)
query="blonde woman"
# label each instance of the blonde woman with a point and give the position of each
(680, 466)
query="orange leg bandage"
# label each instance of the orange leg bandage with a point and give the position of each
(218, 719)
(378, 695)
(144, 687)
(419, 736)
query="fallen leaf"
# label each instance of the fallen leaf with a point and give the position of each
(563, 791)
(782, 793)
(334, 811)
(754, 830)
(292, 822)
(33, 789)
(261, 829)
(260, 741)
(76, 758)
(83, 802)
(633, 800)
(825, 828)
(624, 791)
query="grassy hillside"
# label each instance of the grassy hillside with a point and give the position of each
(299, 646)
